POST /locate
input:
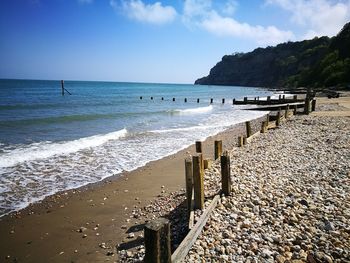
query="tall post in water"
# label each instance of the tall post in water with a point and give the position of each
(62, 87)
(211, 101)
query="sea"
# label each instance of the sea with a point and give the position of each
(51, 143)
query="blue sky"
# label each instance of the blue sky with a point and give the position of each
(149, 41)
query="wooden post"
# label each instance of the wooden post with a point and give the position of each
(62, 87)
(207, 163)
(268, 98)
(278, 120)
(284, 97)
(279, 97)
(189, 183)
(286, 112)
(217, 149)
(225, 174)
(264, 127)
(248, 128)
(157, 241)
(198, 147)
(295, 109)
(313, 105)
(245, 140)
(185, 99)
(197, 100)
(245, 99)
(307, 105)
(211, 101)
(223, 101)
(240, 141)
(198, 183)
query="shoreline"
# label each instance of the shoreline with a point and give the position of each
(102, 208)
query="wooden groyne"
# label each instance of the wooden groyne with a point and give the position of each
(156, 232)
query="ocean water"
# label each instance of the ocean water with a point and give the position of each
(51, 143)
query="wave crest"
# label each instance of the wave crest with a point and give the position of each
(47, 149)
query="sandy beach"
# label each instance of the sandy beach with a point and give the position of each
(90, 223)
(87, 224)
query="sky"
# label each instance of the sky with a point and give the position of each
(149, 41)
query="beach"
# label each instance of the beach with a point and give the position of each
(92, 223)
(51, 229)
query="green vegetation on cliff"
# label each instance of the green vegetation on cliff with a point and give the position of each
(318, 62)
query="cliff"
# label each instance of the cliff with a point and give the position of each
(318, 62)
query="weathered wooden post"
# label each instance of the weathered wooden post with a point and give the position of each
(248, 128)
(240, 141)
(189, 183)
(157, 241)
(225, 174)
(245, 140)
(198, 147)
(313, 105)
(62, 87)
(217, 149)
(245, 99)
(307, 105)
(223, 101)
(211, 101)
(286, 112)
(198, 183)
(263, 126)
(278, 120)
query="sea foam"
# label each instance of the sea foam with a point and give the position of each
(47, 149)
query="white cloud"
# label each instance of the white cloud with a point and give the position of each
(225, 26)
(202, 14)
(318, 17)
(149, 13)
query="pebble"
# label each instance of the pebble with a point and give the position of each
(289, 201)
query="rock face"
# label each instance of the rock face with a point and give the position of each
(320, 61)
